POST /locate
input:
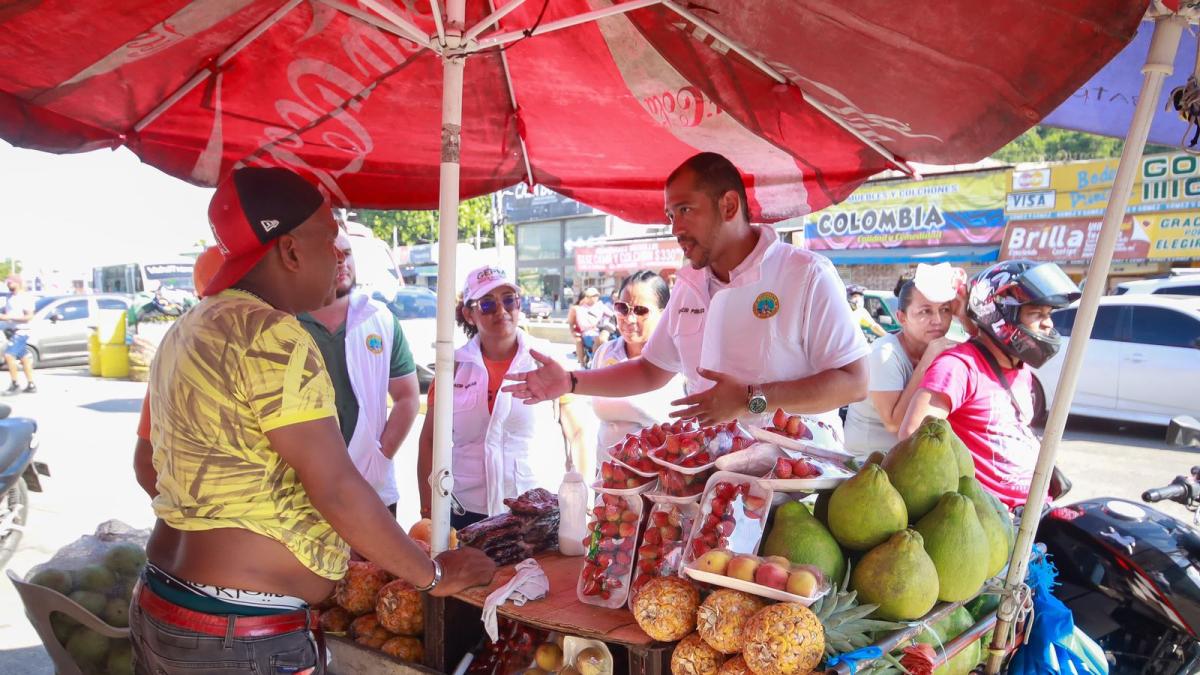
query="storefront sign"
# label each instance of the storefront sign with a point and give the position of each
(620, 258)
(522, 204)
(1081, 189)
(1172, 236)
(961, 210)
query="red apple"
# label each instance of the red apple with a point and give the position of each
(772, 574)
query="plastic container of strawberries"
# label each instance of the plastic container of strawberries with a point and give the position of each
(686, 460)
(616, 476)
(611, 546)
(733, 515)
(661, 546)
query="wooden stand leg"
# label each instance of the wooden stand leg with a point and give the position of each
(452, 629)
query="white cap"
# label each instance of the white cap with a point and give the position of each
(484, 280)
(940, 282)
(591, 290)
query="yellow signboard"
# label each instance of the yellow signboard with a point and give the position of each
(1081, 189)
(1173, 236)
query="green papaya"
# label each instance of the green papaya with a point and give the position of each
(923, 467)
(957, 545)
(865, 510)
(797, 535)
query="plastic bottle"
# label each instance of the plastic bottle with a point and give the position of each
(572, 514)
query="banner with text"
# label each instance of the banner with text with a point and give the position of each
(624, 258)
(1170, 236)
(1163, 183)
(959, 210)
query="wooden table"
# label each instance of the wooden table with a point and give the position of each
(454, 626)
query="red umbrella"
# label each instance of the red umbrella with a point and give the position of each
(596, 99)
(808, 98)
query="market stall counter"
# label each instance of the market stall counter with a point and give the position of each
(454, 626)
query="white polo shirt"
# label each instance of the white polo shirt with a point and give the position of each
(782, 316)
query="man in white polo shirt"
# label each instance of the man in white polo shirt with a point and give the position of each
(755, 324)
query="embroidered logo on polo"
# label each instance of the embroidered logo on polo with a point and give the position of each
(766, 305)
(375, 343)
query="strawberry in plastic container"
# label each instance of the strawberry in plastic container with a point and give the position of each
(732, 516)
(791, 426)
(611, 544)
(662, 544)
(787, 468)
(616, 476)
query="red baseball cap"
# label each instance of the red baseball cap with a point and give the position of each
(250, 210)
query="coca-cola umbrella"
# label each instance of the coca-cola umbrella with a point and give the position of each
(397, 104)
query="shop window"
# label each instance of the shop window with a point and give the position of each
(539, 241)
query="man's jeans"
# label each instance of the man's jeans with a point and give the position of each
(160, 648)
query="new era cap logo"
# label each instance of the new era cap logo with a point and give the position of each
(269, 225)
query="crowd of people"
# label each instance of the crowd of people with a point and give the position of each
(267, 445)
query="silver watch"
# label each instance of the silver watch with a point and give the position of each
(437, 578)
(756, 399)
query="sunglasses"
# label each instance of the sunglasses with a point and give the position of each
(624, 308)
(488, 306)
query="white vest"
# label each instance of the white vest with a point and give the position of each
(370, 330)
(730, 337)
(516, 448)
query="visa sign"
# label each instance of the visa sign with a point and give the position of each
(1031, 201)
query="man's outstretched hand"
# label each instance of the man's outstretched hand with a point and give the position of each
(547, 383)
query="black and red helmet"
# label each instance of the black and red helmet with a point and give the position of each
(997, 295)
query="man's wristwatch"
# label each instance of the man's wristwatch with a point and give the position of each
(757, 402)
(437, 577)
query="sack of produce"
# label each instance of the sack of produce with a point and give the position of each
(78, 601)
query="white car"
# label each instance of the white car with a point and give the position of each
(1142, 363)
(1183, 284)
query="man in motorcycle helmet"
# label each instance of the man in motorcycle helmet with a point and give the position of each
(984, 387)
(858, 310)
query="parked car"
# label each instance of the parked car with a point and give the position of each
(881, 305)
(58, 332)
(1143, 360)
(416, 308)
(1184, 284)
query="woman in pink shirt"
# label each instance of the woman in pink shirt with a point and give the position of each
(984, 387)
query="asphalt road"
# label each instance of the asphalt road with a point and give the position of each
(87, 435)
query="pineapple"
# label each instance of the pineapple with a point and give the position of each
(356, 592)
(693, 656)
(722, 616)
(404, 648)
(784, 639)
(847, 628)
(665, 608)
(400, 610)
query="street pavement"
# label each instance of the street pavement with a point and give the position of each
(86, 429)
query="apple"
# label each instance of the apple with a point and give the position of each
(772, 574)
(715, 562)
(743, 567)
(803, 583)
(778, 560)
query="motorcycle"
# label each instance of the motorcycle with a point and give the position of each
(1131, 576)
(19, 475)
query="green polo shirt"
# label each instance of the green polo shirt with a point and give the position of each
(333, 350)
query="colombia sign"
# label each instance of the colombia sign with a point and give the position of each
(960, 210)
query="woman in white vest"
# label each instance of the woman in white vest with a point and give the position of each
(501, 447)
(641, 300)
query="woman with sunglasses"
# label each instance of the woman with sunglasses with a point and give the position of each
(641, 300)
(501, 447)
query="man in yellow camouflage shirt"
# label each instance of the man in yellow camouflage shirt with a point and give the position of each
(256, 491)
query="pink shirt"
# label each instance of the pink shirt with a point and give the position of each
(982, 414)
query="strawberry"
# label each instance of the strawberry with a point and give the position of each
(609, 530)
(629, 517)
(725, 527)
(724, 490)
(752, 503)
(699, 548)
(626, 529)
(603, 561)
(672, 533)
(624, 559)
(653, 536)
(783, 468)
(598, 511)
(795, 426)
(612, 513)
(718, 505)
(660, 518)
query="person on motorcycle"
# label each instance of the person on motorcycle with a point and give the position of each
(858, 310)
(984, 387)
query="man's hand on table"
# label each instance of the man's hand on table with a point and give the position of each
(463, 568)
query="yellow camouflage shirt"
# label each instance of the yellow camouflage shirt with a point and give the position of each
(230, 370)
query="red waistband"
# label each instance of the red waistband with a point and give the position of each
(218, 625)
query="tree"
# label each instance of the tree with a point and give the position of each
(9, 266)
(421, 227)
(1050, 144)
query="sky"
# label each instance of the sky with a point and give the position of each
(75, 211)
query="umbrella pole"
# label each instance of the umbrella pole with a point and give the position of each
(441, 481)
(1159, 64)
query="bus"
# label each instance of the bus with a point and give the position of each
(133, 277)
